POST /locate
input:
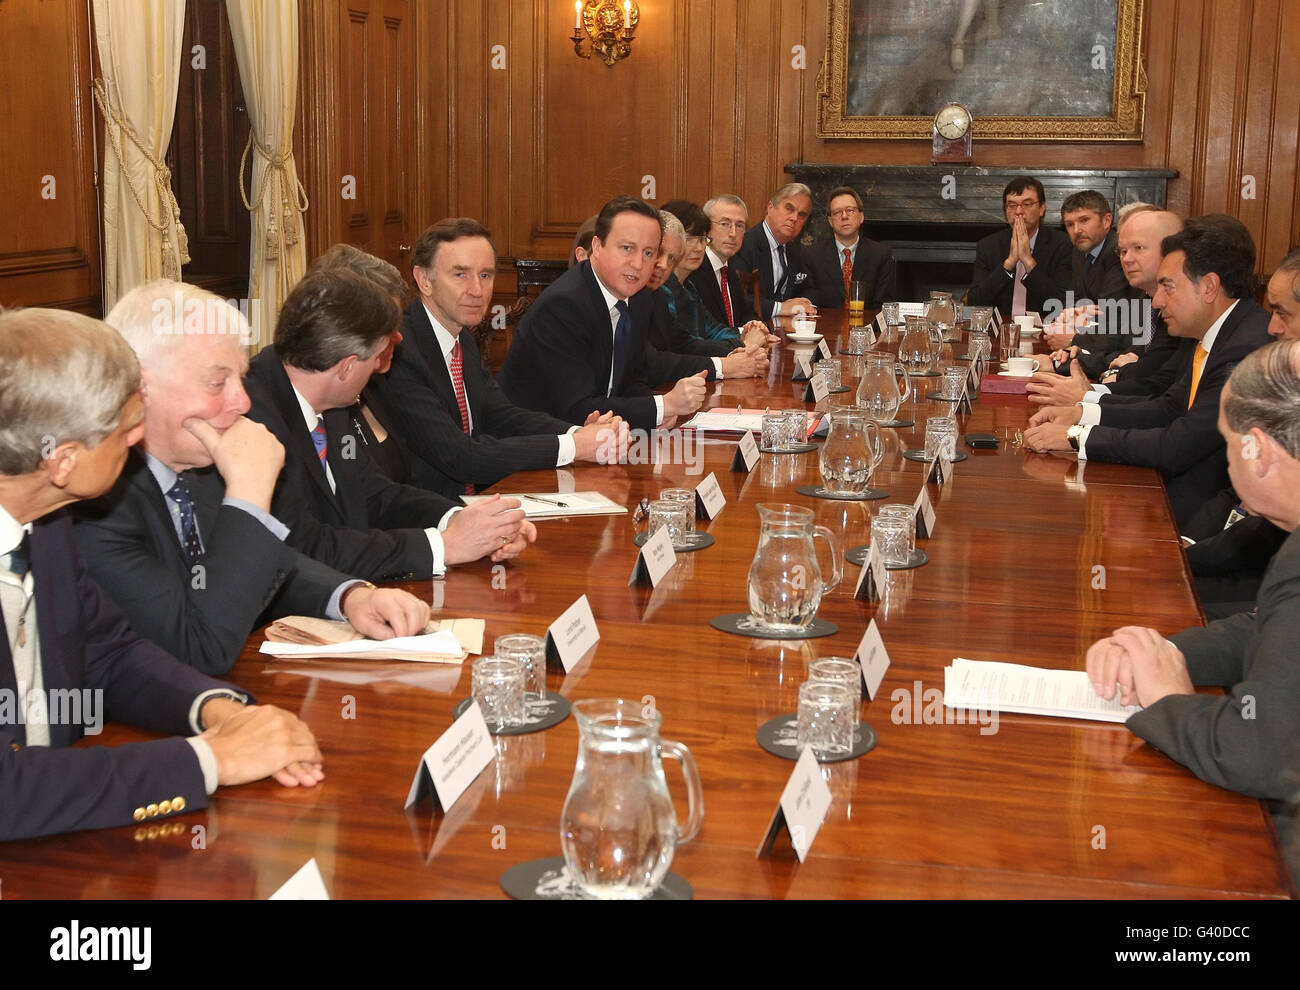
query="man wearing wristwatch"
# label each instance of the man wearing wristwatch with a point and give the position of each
(70, 403)
(1204, 290)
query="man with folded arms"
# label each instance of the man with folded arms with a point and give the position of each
(1246, 740)
(332, 333)
(716, 279)
(70, 409)
(773, 250)
(1203, 293)
(185, 542)
(581, 347)
(458, 425)
(1020, 269)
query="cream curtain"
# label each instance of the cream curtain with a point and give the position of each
(139, 44)
(266, 45)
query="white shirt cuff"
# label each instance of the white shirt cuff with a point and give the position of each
(717, 366)
(436, 546)
(568, 450)
(1089, 414)
(1097, 391)
(659, 409)
(207, 762)
(197, 706)
(1083, 443)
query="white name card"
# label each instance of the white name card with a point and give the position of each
(655, 560)
(708, 495)
(451, 764)
(802, 367)
(820, 387)
(803, 806)
(746, 455)
(880, 322)
(572, 634)
(305, 885)
(824, 348)
(924, 515)
(872, 577)
(873, 659)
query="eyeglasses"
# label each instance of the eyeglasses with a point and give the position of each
(697, 240)
(1012, 205)
(738, 226)
(848, 211)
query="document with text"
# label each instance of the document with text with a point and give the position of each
(1012, 687)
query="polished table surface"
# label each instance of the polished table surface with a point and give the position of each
(1043, 807)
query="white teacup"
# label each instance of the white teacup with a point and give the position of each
(803, 326)
(1021, 367)
(1026, 324)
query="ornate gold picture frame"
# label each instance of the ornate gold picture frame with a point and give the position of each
(1059, 70)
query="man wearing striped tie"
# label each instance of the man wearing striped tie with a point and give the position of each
(1205, 291)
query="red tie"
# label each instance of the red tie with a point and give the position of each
(726, 296)
(846, 270)
(458, 383)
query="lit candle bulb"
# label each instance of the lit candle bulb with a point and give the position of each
(577, 14)
(627, 15)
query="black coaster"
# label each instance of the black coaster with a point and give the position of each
(919, 455)
(697, 541)
(540, 715)
(896, 424)
(840, 388)
(858, 556)
(817, 491)
(799, 448)
(941, 398)
(925, 374)
(548, 880)
(743, 624)
(777, 736)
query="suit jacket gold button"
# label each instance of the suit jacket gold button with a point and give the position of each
(164, 807)
(178, 803)
(152, 811)
(15, 747)
(138, 814)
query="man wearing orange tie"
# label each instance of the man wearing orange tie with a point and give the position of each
(1205, 291)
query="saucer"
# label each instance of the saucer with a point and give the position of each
(1007, 374)
(809, 339)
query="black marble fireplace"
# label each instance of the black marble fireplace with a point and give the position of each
(932, 215)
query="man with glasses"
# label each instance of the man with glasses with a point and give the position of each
(1020, 269)
(848, 257)
(717, 282)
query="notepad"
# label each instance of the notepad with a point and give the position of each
(1011, 687)
(443, 641)
(554, 505)
(738, 421)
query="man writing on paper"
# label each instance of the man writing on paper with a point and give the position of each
(1247, 739)
(185, 542)
(70, 409)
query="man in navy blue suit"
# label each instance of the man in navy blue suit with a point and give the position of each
(70, 409)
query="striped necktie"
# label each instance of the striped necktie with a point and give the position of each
(319, 440)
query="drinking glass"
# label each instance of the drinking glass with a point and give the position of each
(830, 370)
(796, 427)
(687, 498)
(860, 340)
(670, 513)
(950, 384)
(1009, 341)
(905, 514)
(498, 687)
(775, 432)
(826, 718)
(890, 538)
(531, 652)
(839, 670)
(940, 434)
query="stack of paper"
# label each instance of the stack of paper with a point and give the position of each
(737, 421)
(1011, 687)
(553, 505)
(443, 641)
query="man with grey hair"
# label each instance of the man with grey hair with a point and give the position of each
(773, 251)
(70, 409)
(1247, 739)
(717, 282)
(185, 542)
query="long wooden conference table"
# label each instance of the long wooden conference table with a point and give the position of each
(1044, 807)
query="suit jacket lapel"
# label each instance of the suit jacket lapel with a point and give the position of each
(299, 435)
(141, 479)
(426, 340)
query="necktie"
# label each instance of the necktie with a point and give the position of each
(1198, 362)
(621, 334)
(19, 561)
(318, 440)
(778, 287)
(846, 270)
(190, 542)
(726, 296)
(458, 384)
(1087, 273)
(1018, 292)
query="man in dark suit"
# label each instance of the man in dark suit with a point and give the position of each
(458, 425)
(1204, 292)
(581, 347)
(70, 404)
(1025, 268)
(848, 256)
(772, 249)
(1096, 276)
(716, 280)
(185, 542)
(341, 509)
(1248, 739)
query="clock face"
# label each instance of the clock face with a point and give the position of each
(952, 122)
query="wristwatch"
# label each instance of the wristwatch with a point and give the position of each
(1073, 434)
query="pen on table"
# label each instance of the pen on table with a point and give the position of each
(548, 501)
